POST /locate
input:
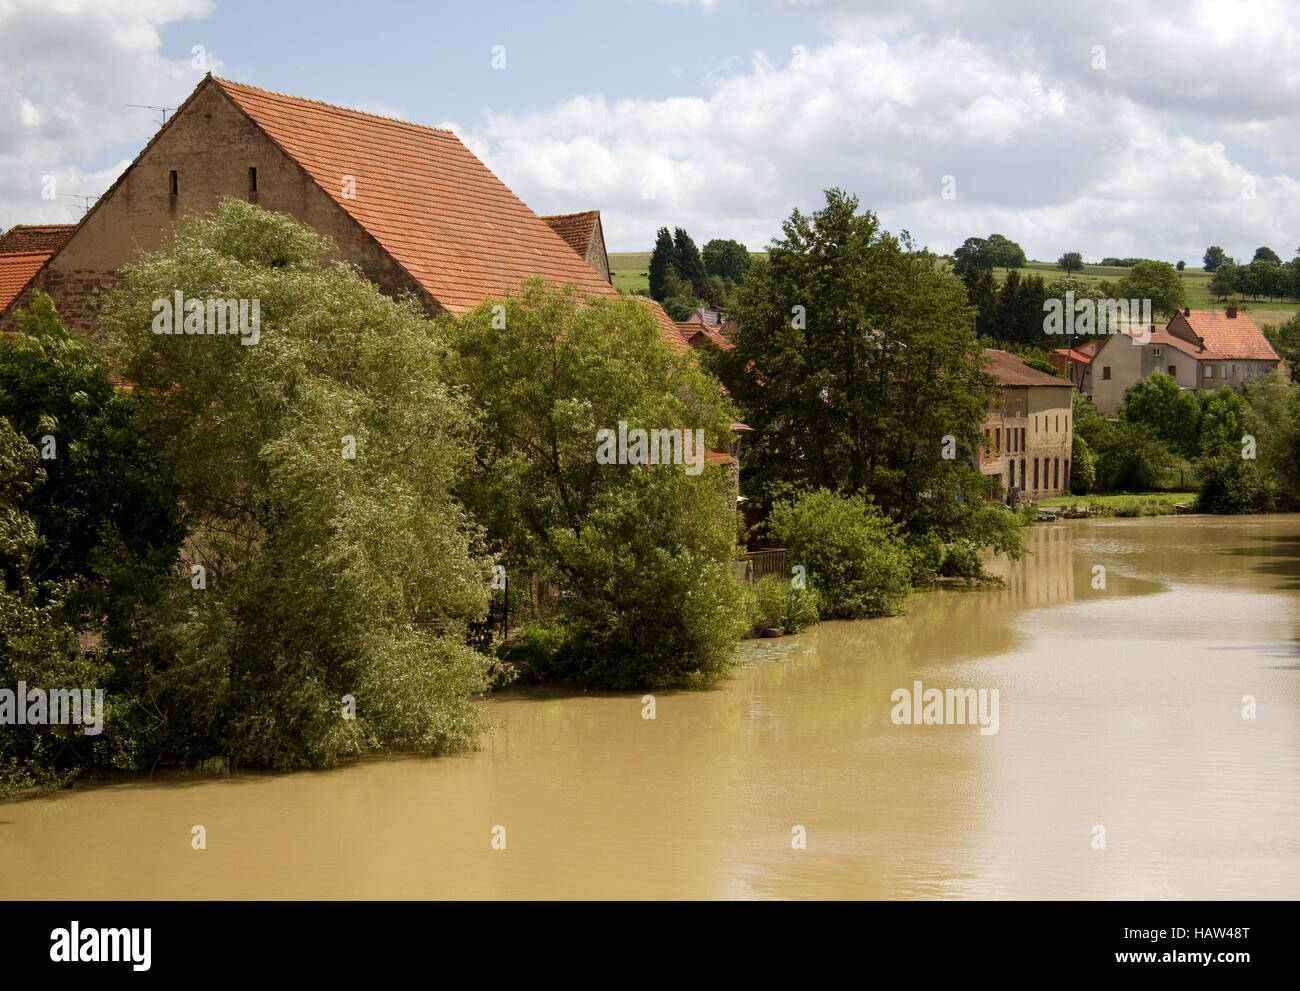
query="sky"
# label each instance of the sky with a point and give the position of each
(1144, 129)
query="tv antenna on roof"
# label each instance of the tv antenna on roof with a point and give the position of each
(145, 106)
(85, 200)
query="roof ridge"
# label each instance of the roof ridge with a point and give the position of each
(332, 106)
(564, 216)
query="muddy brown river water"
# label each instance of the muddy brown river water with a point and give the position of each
(1118, 708)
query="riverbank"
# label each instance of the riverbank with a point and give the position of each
(1122, 504)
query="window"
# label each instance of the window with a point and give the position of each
(1035, 474)
(1156, 351)
(175, 181)
(1105, 372)
(1035, 424)
(1173, 371)
(997, 440)
(1056, 473)
(1022, 439)
(1067, 473)
(1209, 371)
(1058, 423)
(252, 179)
(1223, 371)
(1022, 473)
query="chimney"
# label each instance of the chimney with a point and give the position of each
(1187, 311)
(1232, 313)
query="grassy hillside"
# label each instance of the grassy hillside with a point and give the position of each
(628, 269)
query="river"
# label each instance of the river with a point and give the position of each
(1119, 708)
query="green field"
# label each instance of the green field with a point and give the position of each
(1196, 281)
(628, 270)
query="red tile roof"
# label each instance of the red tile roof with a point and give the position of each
(1229, 337)
(1161, 336)
(1010, 370)
(1076, 354)
(575, 228)
(24, 238)
(16, 270)
(696, 334)
(424, 196)
(719, 458)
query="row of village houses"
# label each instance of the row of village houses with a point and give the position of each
(419, 214)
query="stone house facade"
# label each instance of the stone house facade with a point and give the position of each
(1028, 432)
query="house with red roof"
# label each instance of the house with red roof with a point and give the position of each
(47, 238)
(408, 204)
(1028, 433)
(411, 206)
(1202, 350)
(1076, 363)
(582, 232)
(17, 269)
(24, 249)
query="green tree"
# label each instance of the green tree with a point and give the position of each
(107, 515)
(1003, 252)
(1226, 281)
(1214, 257)
(1223, 421)
(1156, 281)
(1286, 341)
(1083, 466)
(37, 643)
(1131, 458)
(661, 263)
(1274, 422)
(726, 259)
(89, 524)
(1230, 481)
(855, 558)
(983, 294)
(641, 555)
(687, 260)
(1088, 421)
(317, 469)
(680, 299)
(1266, 254)
(1170, 411)
(854, 360)
(1071, 261)
(971, 257)
(1181, 265)
(978, 254)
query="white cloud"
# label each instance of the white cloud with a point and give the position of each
(68, 69)
(1144, 157)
